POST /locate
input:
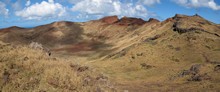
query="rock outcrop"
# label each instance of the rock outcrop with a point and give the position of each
(184, 23)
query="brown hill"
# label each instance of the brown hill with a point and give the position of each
(181, 52)
(153, 20)
(108, 31)
(127, 21)
(51, 34)
(184, 24)
(110, 19)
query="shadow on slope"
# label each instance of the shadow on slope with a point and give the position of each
(51, 35)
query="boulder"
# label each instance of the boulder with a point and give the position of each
(217, 68)
(195, 73)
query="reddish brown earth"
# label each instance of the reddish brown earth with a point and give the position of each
(127, 21)
(110, 19)
(153, 20)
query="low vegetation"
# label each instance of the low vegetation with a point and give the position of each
(179, 54)
(26, 69)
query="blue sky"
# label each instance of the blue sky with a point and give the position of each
(29, 13)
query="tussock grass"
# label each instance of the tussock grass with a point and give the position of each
(25, 69)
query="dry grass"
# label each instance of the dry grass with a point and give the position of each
(150, 67)
(146, 58)
(24, 69)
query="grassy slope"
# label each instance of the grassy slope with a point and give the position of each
(147, 63)
(25, 69)
(167, 57)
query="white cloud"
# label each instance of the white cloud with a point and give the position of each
(3, 9)
(149, 2)
(28, 3)
(198, 3)
(110, 7)
(42, 10)
(50, 1)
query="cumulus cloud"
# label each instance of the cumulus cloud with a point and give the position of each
(3, 9)
(198, 3)
(110, 7)
(149, 2)
(28, 3)
(42, 10)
